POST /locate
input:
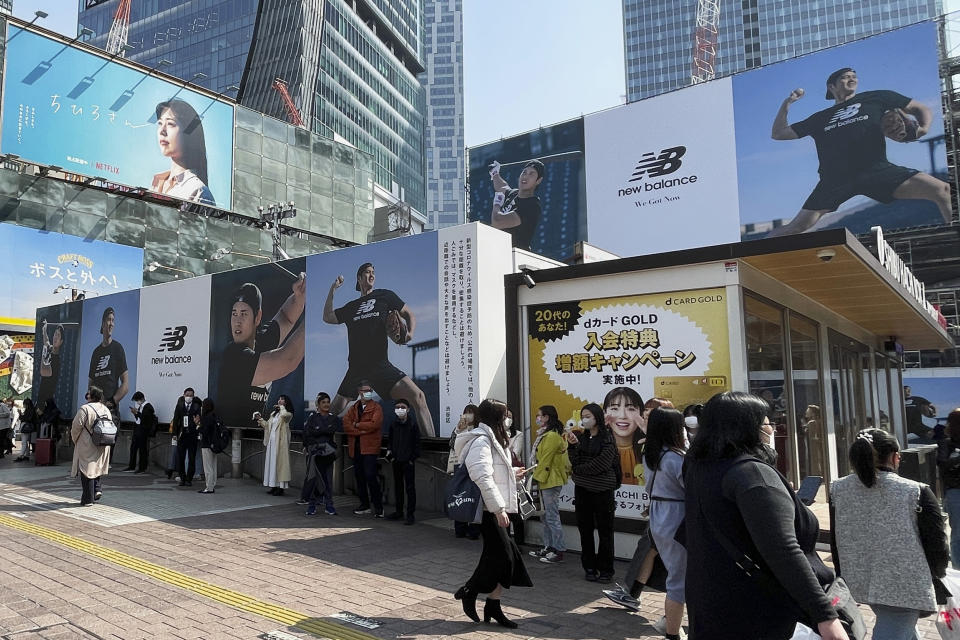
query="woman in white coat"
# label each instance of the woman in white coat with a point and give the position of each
(276, 441)
(89, 460)
(485, 451)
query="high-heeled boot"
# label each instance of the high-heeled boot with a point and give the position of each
(468, 598)
(491, 609)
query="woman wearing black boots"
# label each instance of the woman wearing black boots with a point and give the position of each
(485, 451)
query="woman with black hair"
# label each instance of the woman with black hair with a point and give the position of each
(663, 468)
(276, 441)
(623, 414)
(733, 497)
(691, 421)
(593, 459)
(468, 420)
(887, 537)
(485, 451)
(551, 473)
(180, 137)
(207, 428)
(28, 429)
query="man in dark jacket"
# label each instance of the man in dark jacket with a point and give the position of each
(144, 426)
(321, 450)
(185, 430)
(403, 451)
(363, 425)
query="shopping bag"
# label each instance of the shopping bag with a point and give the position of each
(948, 619)
(803, 632)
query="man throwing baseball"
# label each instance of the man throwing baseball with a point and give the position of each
(852, 150)
(370, 319)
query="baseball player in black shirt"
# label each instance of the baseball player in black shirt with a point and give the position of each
(852, 151)
(517, 211)
(258, 355)
(367, 318)
(108, 364)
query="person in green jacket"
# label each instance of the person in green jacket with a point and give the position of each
(551, 473)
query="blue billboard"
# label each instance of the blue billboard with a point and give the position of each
(44, 261)
(67, 107)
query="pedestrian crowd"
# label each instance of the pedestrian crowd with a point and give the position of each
(718, 512)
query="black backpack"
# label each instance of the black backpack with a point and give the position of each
(103, 431)
(221, 437)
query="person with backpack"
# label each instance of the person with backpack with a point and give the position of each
(90, 460)
(144, 427)
(595, 461)
(209, 427)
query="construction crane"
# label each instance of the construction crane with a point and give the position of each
(705, 41)
(117, 38)
(292, 112)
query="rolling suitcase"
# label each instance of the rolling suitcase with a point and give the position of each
(43, 452)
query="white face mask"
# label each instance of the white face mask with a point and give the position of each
(187, 400)
(139, 403)
(401, 413)
(468, 417)
(766, 438)
(691, 422)
(368, 395)
(588, 423)
(539, 421)
(508, 422)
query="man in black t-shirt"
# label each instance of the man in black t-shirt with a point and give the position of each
(108, 364)
(258, 355)
(852, 151)
(517, 211)
(366, 320)
(917, 408)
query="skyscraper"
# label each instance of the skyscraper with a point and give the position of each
(443, 82)
(350, 67)
(658, 35)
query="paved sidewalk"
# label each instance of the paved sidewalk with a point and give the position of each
(152, 560)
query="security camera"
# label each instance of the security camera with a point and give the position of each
(826, 255)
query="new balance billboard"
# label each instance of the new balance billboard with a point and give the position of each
(846, 137)
(72, 108)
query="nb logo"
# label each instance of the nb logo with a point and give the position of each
(173, 339)
(653, 166)
(103, 363)
(366, 306)
(846, 113)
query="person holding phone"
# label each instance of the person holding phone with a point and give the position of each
(185, 432)
(276, 441)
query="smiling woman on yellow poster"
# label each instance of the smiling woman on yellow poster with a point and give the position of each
(670, 345)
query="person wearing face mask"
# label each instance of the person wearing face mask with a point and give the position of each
(145, 422)
(404, 449)
(551, 473)
(516, 455)
(691, 421)
(466, 423)
(363, 425)
(593, 455)
(185, 431)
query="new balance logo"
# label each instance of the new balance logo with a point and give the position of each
(173, 339)
(366, 306)
(103, 363)
(846, 113)
(652, 165)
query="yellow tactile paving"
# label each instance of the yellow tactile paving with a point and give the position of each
(235, 599)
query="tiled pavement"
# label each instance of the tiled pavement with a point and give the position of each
(243, 540)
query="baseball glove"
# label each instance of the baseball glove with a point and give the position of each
(899, 126)
(397, 328)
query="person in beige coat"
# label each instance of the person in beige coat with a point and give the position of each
(89, 461)
(276, 440)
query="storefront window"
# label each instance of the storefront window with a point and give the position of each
(847, 365)
(804, 355)
(765, 365)
(884, 389)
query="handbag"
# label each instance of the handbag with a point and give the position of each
(103, 432)
(837, 591)
(462, 501)
(527, 506)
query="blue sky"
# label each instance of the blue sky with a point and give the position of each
(527, 64)
(61, 14)
(776, 176)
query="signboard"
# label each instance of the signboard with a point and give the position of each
(561, 192)
(620, 352)
(300, 327)
(662, 172)
(43, 261)
(71, 108)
